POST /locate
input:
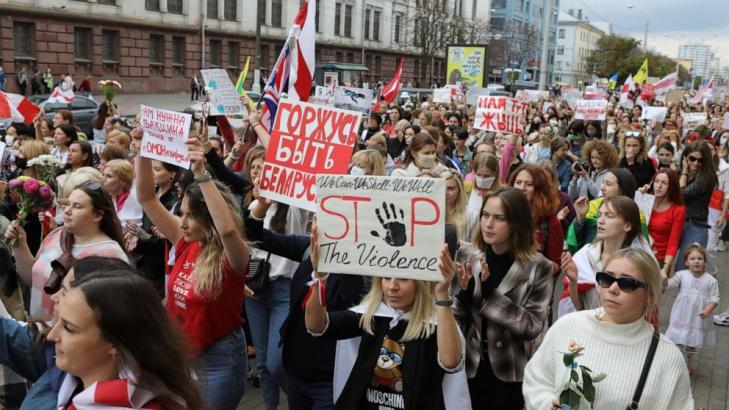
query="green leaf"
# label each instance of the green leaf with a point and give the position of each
(570, 398)
(574, 376)
(600, 377)
(585, 368)
(568, 359)
(588, 388)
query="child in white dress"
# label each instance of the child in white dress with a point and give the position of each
(690, 326)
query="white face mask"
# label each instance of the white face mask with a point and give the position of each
(9, 139)
(485, 183)
(356, 170)
(611, 129)
(723, 140)
(425, 161)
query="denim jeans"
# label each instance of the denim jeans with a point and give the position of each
(691, 233)
(266, 314)
(222, 370)
(309, 396)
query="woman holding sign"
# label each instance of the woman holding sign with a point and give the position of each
(405, 346)
(503, 301)
(205, 288)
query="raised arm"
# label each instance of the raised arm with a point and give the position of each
(167, 223)
(451, 353)
(315, 315)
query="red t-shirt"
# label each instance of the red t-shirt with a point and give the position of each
(203, 320)
(665, 227)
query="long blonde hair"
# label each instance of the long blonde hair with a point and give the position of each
(458, 214)
(422, 316)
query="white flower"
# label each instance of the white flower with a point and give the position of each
(574, 347)
(45, 161)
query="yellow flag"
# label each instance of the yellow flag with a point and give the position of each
(241, 81)
(642, 73)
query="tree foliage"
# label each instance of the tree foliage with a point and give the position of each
(623, 55)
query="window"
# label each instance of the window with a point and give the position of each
(155, 49)
(151, 5)
(215, 57)
(367, 24)
(337, 19)
(276, 13)
(498, 4)
(23, 37)
(340, 57)
(348, 20)
(178, 51)
(108, 2)
(317, 17)
(560, 50)
(497, 24)
(174, 6)
(109, 46)
(82, 43)
(376, 26)
(378, 66)
(559, 65)
(233, 54)
(212, 9)
(231, 10)
(398, 19)
(264, 57)
(561, 33)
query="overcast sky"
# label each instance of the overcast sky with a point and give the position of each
(671, 22)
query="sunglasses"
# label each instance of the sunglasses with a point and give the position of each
(626, 284)
(632, 133)
(691, 158)
(91, 185)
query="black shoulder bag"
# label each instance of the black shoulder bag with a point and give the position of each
(646, 369)
(258, 270)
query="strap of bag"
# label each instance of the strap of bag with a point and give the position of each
(646, 369)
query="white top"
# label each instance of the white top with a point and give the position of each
(62, 156)
(619, 351)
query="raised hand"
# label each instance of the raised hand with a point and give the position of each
(394, 226)
(448, 270)
(582, 205)
(197, 156)
(465, 273)
(568, 267)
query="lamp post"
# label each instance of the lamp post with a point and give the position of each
(647, 21)
(545, 46)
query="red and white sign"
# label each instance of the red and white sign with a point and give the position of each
(382, 226)
(61, 96)
(666, 84)
(17, 107)
(306, 140)
(164, 137)
(500, 114)
(591, 110)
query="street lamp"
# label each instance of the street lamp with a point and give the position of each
(645, 36)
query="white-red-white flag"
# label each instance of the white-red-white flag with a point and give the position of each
(61, 96)
(625, 90)
(17, 107)
(303, 61)
(390, 90)
(666, 84)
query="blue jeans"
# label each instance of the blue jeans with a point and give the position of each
(222, 372)
(266, 314)
(691, 233)
(309, 396)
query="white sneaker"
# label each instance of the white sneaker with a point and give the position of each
(722, 319)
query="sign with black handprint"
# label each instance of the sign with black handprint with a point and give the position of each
(381, 226)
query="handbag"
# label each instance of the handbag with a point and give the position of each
(644, 374)
(258, 270)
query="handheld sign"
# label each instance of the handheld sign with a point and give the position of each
(355, 99)
(654, 113)
(164, 136)
(224, 99)
(500, 114)
(442, 95)
(381, 226)
(306, 140)
(645, 204)
(591, 110)
(691, 120)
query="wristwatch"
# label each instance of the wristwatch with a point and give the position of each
(205, 177)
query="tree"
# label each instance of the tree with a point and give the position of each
(521, 43)
(622, 55)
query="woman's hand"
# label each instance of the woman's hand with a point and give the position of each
(485, 272)
(16, 233)
(582, 205)
(137, 231)
(197, 156)
(249, 293)
(235, 151)
(644, 189)
(131, 241)
(314, 255)
(562, 214)
(254, 117)
(568, 267)
(465, 273)
(448, 270)
(684, 165)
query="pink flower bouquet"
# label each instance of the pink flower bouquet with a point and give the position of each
(31, 196)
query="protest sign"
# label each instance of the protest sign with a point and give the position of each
(164, 136)
(306, 140)
(381, 226)
(645, 204)
(674, 96)
(725, 125)
(442, 95)
(502, 114)
(466, 64)
(572, 96)
(654, 113)
(224, 99)
(591, 110)
(323, 95)
(355, 99)
(691, 120)
(535, 95)
(546, 106)
(473, 93)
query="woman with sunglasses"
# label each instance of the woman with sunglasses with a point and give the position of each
(618, 227)
(613, 339)
(634, 157)
(698, 180)
(90, 227)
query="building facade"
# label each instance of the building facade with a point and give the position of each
(156, 46)
(700, 56)
(576, 39)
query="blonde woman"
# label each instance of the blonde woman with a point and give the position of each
(118, 179)
(634, 157)
(368, 162)
(458, 214)
(205, 287)
(252, 165)
(486, 172)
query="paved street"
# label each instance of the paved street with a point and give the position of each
(129, 103)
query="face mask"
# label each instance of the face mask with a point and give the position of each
(485, 183)
(592, 133)
(355, 170)
(21, 163)
(426, 161)
(416, 122)
(723, 140)
(9, 139)
(611, 129)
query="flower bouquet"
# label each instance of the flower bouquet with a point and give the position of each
(31, 196)
(45, 167)
(110, 88)
(580, 382)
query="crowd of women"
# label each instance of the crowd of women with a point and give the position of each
(158, 282)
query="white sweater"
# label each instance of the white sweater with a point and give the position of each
(619, 351)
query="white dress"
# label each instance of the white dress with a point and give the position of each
(686, 326)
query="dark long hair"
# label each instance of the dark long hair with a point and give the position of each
(101, 201)
(85, 149)
(70, 132)
(629, 212)
(626, 181)
(673, 193)
(707, 172)
(130, 316)
(518, 215)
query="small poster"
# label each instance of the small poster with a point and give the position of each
(224, 99)
(165, 133)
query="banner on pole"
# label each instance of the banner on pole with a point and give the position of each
(500, 114)
(224, 98)
(591, 110)
(164, 136)
(354, 99)
(381, 226)
(323, 95)
(466, 64)
(306, 140)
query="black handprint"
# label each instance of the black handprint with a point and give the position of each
(394, 226)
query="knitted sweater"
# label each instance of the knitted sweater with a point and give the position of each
(619, 351)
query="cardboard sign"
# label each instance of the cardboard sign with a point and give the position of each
(442, 95)
(473, 93)
(381, 226)
(691, 120)
(654, 113)
(591, 110)
(725, 125)
(224, 99)
(164, 136)
(306, 140)
(354, 99)
(645, 204)
(323, 95)
(500, 114)
(674, 96)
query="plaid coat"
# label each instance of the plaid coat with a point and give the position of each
(515, 313)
